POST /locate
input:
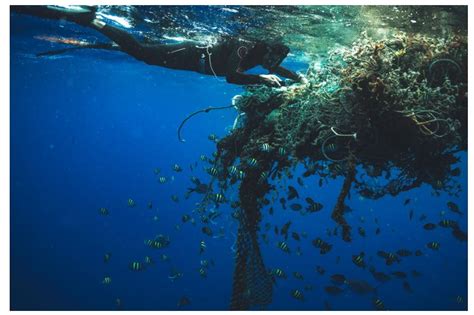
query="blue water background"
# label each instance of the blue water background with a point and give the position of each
(87, 131)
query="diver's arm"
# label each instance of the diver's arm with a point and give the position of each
(288, 74)
(238, 77)
(235, 74)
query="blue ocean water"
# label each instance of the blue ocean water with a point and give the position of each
(88, 130)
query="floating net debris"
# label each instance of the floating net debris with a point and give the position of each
(386, 115)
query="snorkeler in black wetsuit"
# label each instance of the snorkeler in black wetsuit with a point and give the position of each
(229, 58)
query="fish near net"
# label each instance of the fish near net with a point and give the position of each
(386, 115)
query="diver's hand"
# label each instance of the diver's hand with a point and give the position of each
(302, 79)
(271, 80)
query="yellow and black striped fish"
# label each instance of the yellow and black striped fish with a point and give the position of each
(266, 147)
(136, 266)
(433, 245)
(107, 280)
(284, 247)
(297, 295)
(358, 260)
(378, 304)
(252, 162)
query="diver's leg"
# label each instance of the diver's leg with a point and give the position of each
(126, 41)
(82, 15)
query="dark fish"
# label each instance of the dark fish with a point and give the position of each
(292, 193)
(298, 275)
(308, 287)
(361, 231)
(150, 205)
(379, 275)
(411, 214)
(185, 218)
(175, 198)
(333, 290)
(275, 229)
(377, 231)
(270, 211)
(300, 181)
(415, 273)
(296, 207)
(184, 301)
(429, 226)
(283, 203)
(404, 252)
(460, 235)
(407, 201)
(320, 182)
(320, 270)
(407, 286)
(422, 217)
(454, 207)
(284, 229)
(200, 189)
(338, 279)
(207, 230)
(399, 274)
(295, 236)
(103, 211)
(418, 253)
(347, 209)
(360, 286)
(456, 171)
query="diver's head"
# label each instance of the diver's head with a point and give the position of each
(274, 55)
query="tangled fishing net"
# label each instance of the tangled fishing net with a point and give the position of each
(391, 112)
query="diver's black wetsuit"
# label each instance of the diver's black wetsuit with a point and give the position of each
(229, 58)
